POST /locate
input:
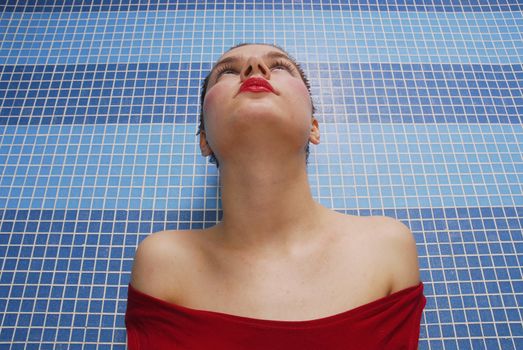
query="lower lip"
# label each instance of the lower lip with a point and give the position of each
(255, 88)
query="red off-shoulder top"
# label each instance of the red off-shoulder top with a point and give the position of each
(392, 322)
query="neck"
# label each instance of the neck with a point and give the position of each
(267, 205)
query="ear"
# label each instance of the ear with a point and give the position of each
(314, 136)
(204, 146)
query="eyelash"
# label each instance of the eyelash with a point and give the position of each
(224, 68)
(285, 64)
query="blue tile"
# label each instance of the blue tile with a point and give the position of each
(433, 143)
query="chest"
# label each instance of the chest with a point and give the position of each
(321, 286)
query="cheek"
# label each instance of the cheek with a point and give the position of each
(209, 101)
(300, 96)
(212, 106)
(301, 108)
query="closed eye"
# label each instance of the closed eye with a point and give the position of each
(282, 65)
(225, 69)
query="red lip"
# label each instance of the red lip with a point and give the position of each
(256, 85)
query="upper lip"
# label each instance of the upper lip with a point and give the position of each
(256, 82)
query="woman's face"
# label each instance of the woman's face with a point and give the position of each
(237, 116)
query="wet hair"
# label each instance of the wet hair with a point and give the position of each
(201, 127)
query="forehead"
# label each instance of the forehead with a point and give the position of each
(251, 50)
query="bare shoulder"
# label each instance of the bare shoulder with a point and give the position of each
(387, 243)
(398, 248)
(158, 262)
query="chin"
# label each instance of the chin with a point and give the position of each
(262, 112)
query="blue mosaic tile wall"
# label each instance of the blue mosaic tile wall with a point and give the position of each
(420, 105)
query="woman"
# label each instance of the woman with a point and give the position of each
(279, 271)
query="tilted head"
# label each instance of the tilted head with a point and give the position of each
(224, 97)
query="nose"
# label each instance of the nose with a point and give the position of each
(253, 67)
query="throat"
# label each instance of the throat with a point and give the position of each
(266, 209)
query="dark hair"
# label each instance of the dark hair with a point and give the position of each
(201, 127)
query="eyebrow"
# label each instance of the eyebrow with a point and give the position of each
(271, 54)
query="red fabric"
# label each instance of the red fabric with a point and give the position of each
(392, 322)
